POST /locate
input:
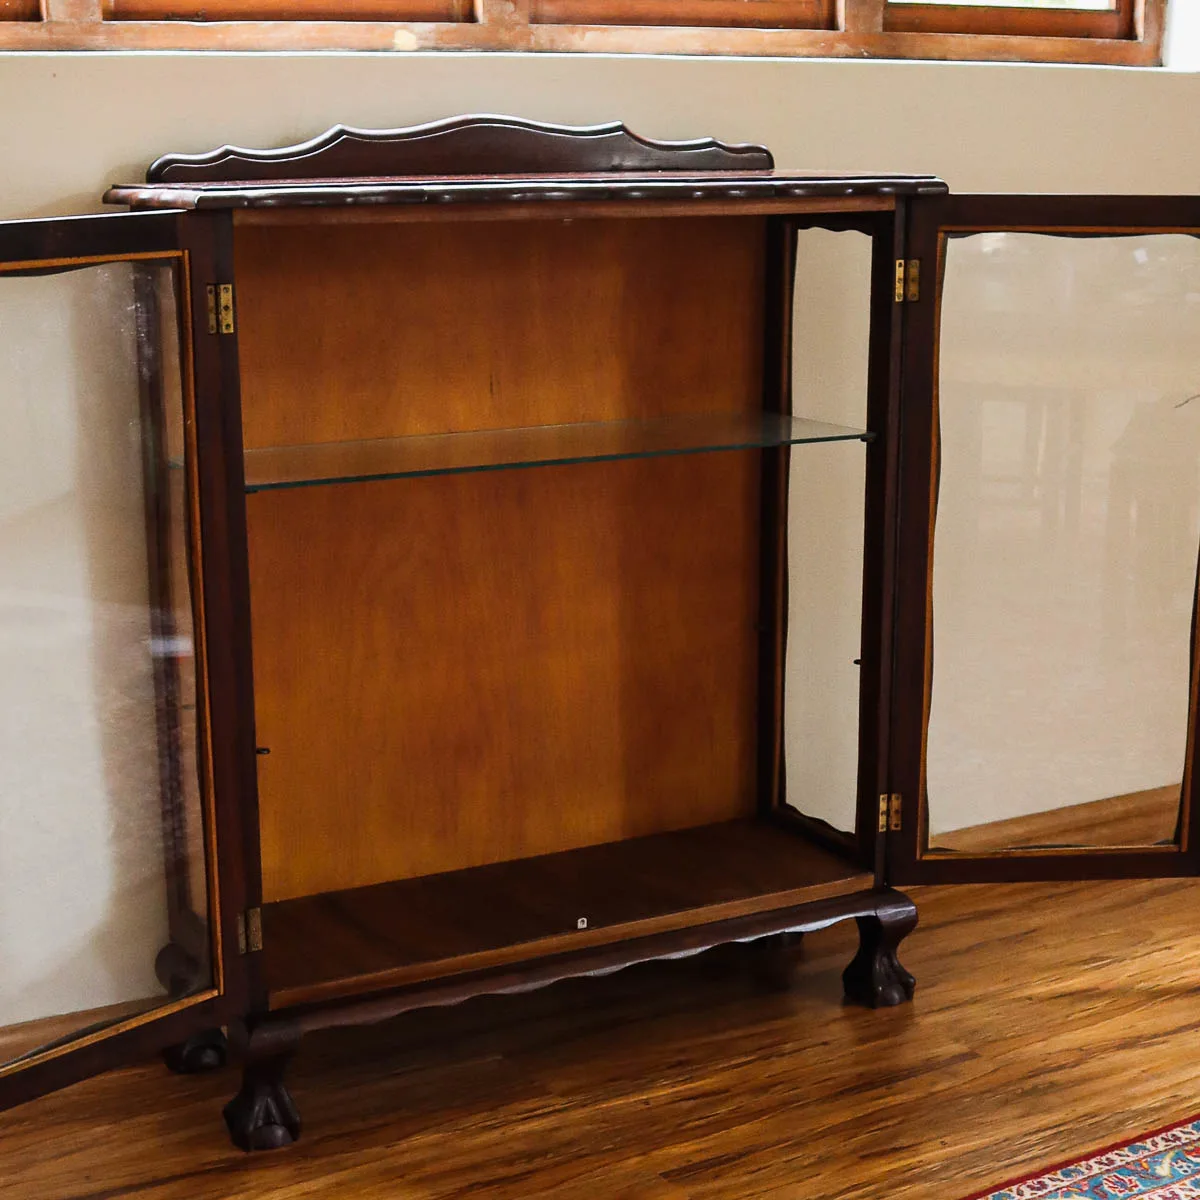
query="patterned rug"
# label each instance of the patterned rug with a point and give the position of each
(1163, 1165)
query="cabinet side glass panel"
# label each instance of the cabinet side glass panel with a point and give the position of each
(1065, 541)
(102, 860)
(825, 528)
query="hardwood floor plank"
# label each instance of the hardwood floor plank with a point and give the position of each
(1049, 1020)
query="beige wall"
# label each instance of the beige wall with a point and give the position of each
(78, 122)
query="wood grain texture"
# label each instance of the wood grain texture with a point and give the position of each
(1148, 818)
(352, 332)
(686, 1081)
(343, 943)
(465, 670)
(470, 668)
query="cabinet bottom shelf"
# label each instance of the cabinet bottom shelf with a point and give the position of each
(347, 943)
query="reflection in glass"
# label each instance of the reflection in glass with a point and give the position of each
(825, 528)
(1065, 546)
(1088, 5)
(100, 825)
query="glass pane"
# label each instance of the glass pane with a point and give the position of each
(539, 445)
(101, 859)
(1086, 5)
(1065, 546)
(825, 528)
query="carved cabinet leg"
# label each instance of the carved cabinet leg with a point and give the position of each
(875, 976)
(262, 1116)
(775, 960)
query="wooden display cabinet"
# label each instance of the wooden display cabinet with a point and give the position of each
(466, 464)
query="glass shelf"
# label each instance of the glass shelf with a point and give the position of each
(534, 446)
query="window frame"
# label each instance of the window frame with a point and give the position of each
(1131, 34)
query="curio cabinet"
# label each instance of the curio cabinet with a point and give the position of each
(444, 561)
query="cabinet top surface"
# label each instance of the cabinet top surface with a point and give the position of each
(486, 159)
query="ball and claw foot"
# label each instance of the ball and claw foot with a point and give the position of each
(206, 1051)
(262, 1115)
(875, 977)
(776, 960)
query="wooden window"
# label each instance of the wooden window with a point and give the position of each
(1106, 19)
(287, 10)
(1119, 32)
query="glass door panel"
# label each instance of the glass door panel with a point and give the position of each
(825, 535)
(1064, 552)
(105, 820)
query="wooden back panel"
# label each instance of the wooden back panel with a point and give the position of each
(370, 331)
(465, 669)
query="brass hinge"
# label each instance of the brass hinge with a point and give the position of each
(889, 812)
(912, 280)
(220, 307)
(908, 280)
(249, 931)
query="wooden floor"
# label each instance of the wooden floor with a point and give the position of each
(1048, 1020)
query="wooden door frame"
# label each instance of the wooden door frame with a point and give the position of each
(54, 246)
(932, 219)
(886, 229)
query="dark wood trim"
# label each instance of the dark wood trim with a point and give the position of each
(779, 287)
(603, 960)
(52, 244)
(226, 603)
(475, 145)
(932, 220)
(542, 210)
(1083, 216)
(657, 188)
(151, 1036)
(880, 570)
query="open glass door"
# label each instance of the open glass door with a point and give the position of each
(843, 330)
(109, 932)
(1045, 699)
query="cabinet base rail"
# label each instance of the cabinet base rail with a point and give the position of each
(263, 1115)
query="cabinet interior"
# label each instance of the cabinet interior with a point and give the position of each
(489, 666)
